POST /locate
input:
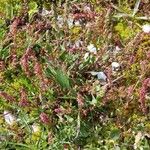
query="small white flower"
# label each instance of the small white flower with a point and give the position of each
(70, 22)
(138, 137)
(92, 48)
(78, 43)
(45, 12)
(77, 23)
(117, 48)
(88, 25)
(35, 128)
(93, 73)
(87, 9)
(146, 28)
(101, 76)
(115, 66)
(60, 21)
(86, 56)
(9, 118)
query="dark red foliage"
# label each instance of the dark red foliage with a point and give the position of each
(143, 91)
(44, 118)
(24, 62)
(14, 25)
(58, 110)
(2, 65)
(84, 13)
(14, 59)
(23, 98)
(7, 96)
(42, 26)
(86, 16)
(130, 90)
(38, 69)
(80, 100)
(148, 54)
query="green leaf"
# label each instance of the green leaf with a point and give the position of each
(4, 53)
(115, 134)
(136, 7)
(62, 79)
(59, 76)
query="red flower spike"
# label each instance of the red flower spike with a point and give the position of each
(44, 118)
(143, 92)
(24, 99)
(7, 96)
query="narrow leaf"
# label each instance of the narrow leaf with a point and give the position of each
(136, 7)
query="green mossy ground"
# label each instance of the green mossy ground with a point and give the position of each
(45, 72)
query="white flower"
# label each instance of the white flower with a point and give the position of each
(60, 21)
(78, 43)
(70, 22)
(93, 73)
(77, 23)
(115, 66)
(86, 56)
(138, 137)
(146, 28)
(117, 48)
(45, 12)
(100, 75)
(92, 48)
(9, 118)
(35, 128)
(88, 25)
(87, 9)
